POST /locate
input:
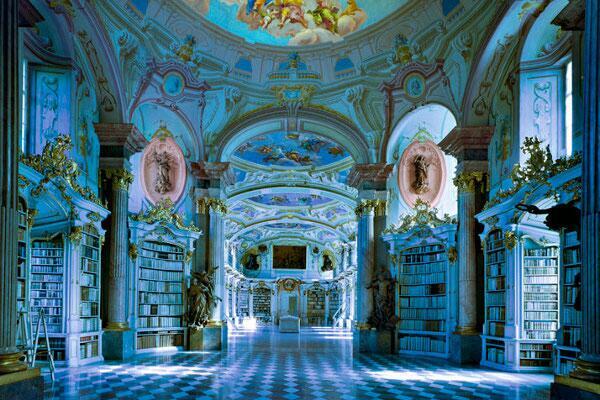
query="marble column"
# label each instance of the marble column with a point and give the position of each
(9, 150)
(588, 364)
(371, 182)
(118, 142)
(469, 146)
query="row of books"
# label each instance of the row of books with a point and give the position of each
(423, 302)
(423, 343)
(572, 256)
(541, 315)
(88, 265)
(423, 269)
(537, 288)
(89, 349)
(542, 252)
(90, 294)
(498, 283)
(551, 296)
(45, 302)
(48, 245)
(541, 270)
(162, 287)
(148, 341)
(162, 247)
(46, 294)
(495, 299)
(50, 252)
(90, 240)
(544, 280)
(90, 324)
(541, 325)
(156, 275)
(423, 313)
(46, 278)
(571, 336)
(56, 268)
(495, 355)
(570, 295)
(161, 264)
(422, 258)
(88, 279)
(88, 309)
(425, 290)
(160, 298)
(425, 279)
(423, 325)
(572, 316)
(496, 270)
(424, 249)
(159, 322)
(162, 256)
(540, 335)
(572, 275)
(496, 313)
(540, 306)
(90, 252)
(496, 329)
(540, 262)
(496, 257)
(161, 309)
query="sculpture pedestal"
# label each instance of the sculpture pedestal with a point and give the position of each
(209, 338)
(118, 345)
(289, 324)
(373, 341)
(28, 384)
(567, 388)
(465, 349)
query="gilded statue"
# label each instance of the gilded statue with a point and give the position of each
(327, 263)
(383, 288)
(162, 183)
(201, 299)
(421, 182)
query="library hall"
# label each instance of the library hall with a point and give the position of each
(300, 199)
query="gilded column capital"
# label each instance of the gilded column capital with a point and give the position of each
(206, 204)
(471, 181)
(378, 207)
(121, 178)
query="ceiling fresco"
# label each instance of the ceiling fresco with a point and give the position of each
(294, 22)
(291, 199)
(291, 150)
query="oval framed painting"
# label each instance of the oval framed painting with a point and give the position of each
(173, 84)
(163, 170)
(422, 173)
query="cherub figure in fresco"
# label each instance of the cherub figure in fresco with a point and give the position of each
(256, 6)
(326, 15)
(313, 144)
(285, 11)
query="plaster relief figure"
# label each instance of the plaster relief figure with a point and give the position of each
(162, 183)
(421, 182)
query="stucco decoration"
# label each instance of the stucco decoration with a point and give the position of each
(422, 173)
(163, 169)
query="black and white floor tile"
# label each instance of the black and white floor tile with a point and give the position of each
(315, 364)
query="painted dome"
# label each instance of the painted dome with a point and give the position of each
(294, 22)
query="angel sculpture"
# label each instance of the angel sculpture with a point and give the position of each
(162, 184)
(201, 299)
(383, 289)
(421, 183)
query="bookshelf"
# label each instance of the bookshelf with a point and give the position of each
(159, 279)
(160, 295)
(569, 338)
(423, 303)
(540, 305)
(261, 304)
(315, 306)
(495, 299)
(22, 257)
(424, 284)
(243, 302)
(89, 281)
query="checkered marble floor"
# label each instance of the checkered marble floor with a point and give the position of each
(315, 364)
